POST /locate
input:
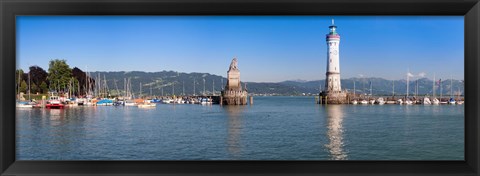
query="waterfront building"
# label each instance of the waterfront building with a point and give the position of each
(233, 94)
(333, 93)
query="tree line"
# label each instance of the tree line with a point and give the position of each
(60, 78)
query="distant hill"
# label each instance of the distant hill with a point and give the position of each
(178, 83)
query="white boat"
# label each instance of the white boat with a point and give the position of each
(180, 101)
(435, 101)
(205, 101)
(354, 102)
(364, 102)
(451, 101)
(81, 101)
(390, 102)
(400, 101)
(443, 102)
(147, 105)
(372, 101)
(460, 102)
(167, 101)
(54, 103)
(23, 105)
(380, 101)
(129, 103)
(408, 102)
(426, 101)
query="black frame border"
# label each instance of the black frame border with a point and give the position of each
(470, 9)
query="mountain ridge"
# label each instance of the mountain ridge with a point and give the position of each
(179, 83)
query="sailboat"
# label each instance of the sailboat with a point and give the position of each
(434, 101)
(407, 100)
(458, 97)
(354, 100)
(441, 93)
(452, 100)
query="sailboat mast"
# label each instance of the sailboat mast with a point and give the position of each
(18, 84)
(370, 88)
(441, 90)
(408, 80)
(416, 88)
(29, 85)
(451, 86)
(354, 88)
(393, 88)
(433, 88)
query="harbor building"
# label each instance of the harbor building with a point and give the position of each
(233, 94)
(332, 93)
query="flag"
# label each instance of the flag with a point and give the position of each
(439, 81)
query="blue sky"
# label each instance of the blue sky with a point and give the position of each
(268, 48)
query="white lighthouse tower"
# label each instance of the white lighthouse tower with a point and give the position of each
(333, 93)
(333, 61)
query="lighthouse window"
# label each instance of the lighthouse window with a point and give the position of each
(335, 68)
(330, 60)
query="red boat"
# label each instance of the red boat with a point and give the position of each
(54, 103)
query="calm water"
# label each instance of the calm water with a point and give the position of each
(274, 128)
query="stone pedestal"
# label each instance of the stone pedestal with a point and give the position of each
(234, 97)
(334, 97)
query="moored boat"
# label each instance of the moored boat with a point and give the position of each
(23, 105)
(426, 101)
(380, 101)
(408, 102)
(105, 102)
(400, 101)
(54, 103)
(147, 105)
(364, 102)
(451, 101)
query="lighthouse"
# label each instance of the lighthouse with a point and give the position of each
(333, 60)
(333, 93)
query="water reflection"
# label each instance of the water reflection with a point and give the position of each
(234, 129)
(335, 132)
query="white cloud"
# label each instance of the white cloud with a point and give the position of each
(422, 74)
(410, 74)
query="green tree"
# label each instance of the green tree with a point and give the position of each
(23, 86)
(43, 87)
(33, 88)
(37, 74)
(59, 74)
